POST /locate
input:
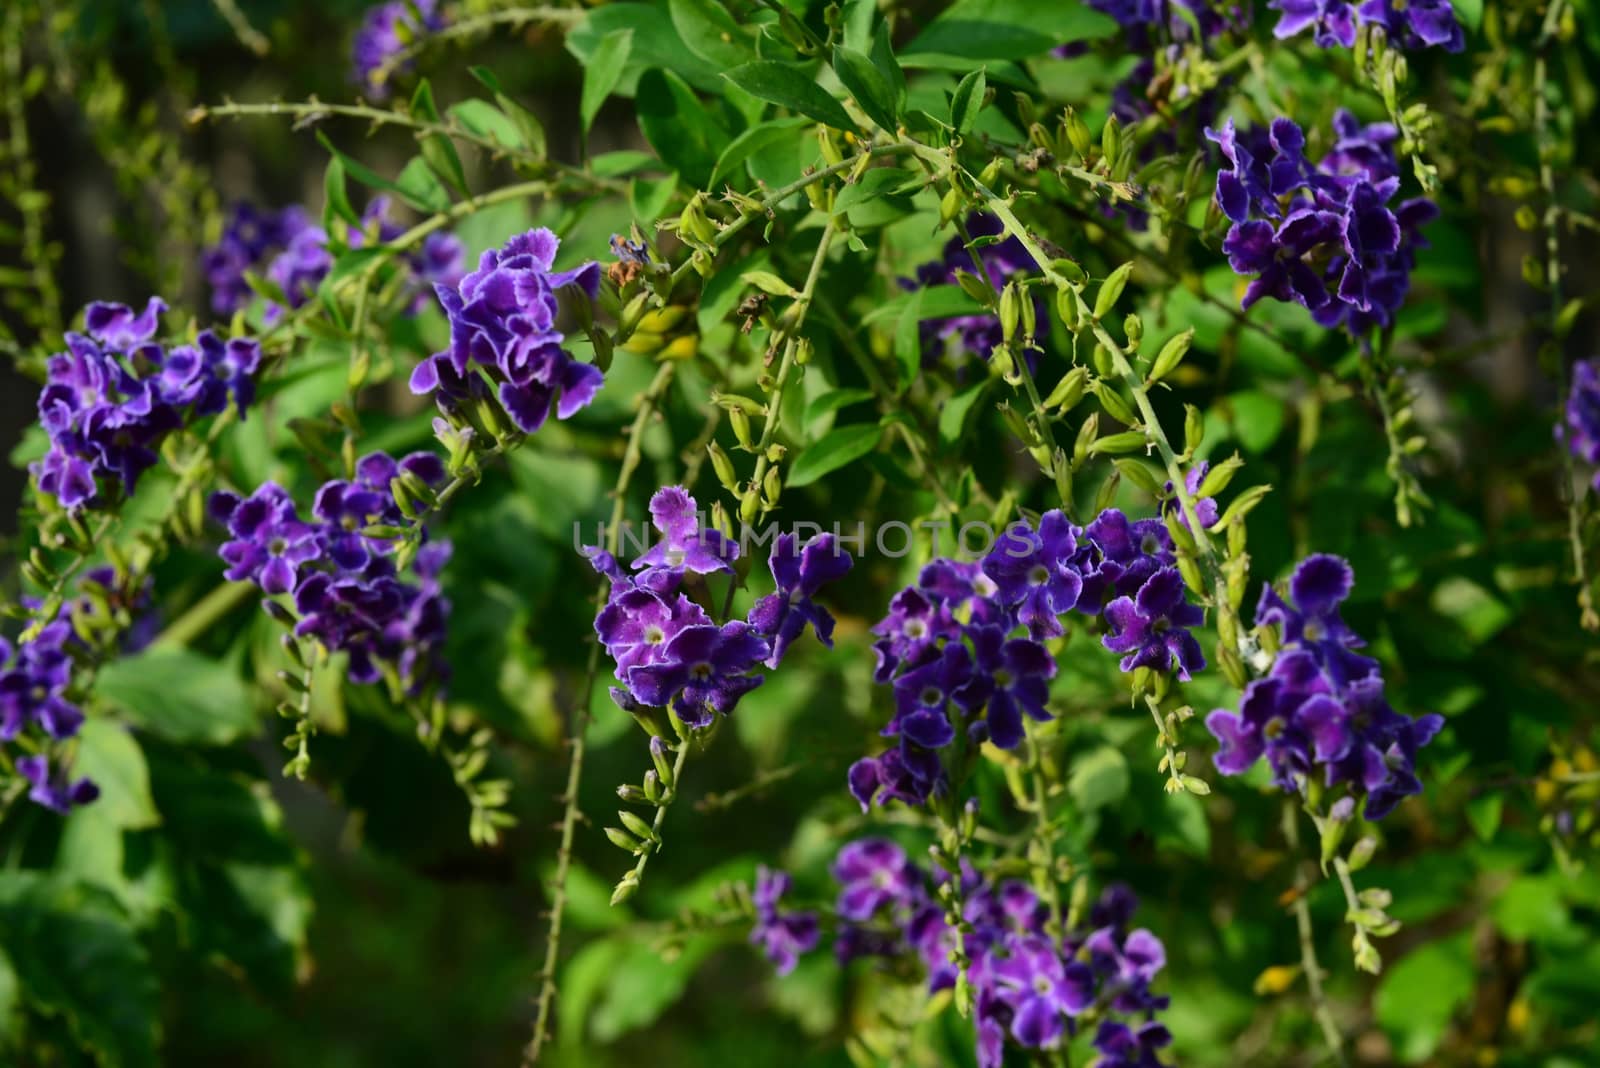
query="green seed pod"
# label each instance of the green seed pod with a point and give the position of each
(1106, 495)
(772, 487)
(1139, 475)
(1010, 311)
(976, 288)
(1111, 140)
(1077, 132)
(1181, 535)
(723, 467)
(1133, 327)
(624, 889)
(1219, 477)
(1069, 391)
(638, 826)
(1111, 290)
(624, 841)
(652, 787)
(1019, 426)
(1112, 402)
(1194, 429)
(1104, 365)
(741, 427)
(750, 506)
(1067, 308)
(950, 206)
(1117, 444)
(1085, 439)
(1171, 354)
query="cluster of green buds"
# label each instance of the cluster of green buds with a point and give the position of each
(657, 790)
(957, 832)
(1365, 910)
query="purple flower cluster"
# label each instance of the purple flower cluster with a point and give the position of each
(115, 394)
(36, 676)
(667, 648)
(503, 324)
(1145, 18)
(1322, 704)
(1029, 987)
(385, 31)
(783, 935)
(948, 645)
(1583, 415)
(1408, 23)
(347, 591)
(1321, 235)
(978, 334)
(293, 253)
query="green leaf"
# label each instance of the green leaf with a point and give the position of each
(1008, 29)
(644, 983)
(933, 302)
(833, 400)
(968, 101)
(179, 695)
(877, 182)
(602, 73)
(488, 121)
(679, 126)
(112, 759)
(370, 178)
(1257, 418)
(336, 198)
(908, 336)
(753, 140)
(76, 957)
(1470, 12)
(1484, 815)
(1420, 993)
(833, 450)
(787, 86)
(883, 58)
(955, 412)
(437, 148)
(1099, 779)
(868, 86)
(656, 44)
(710, 32)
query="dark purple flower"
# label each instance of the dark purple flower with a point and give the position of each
(908, 774)
(502, 319)
(1123, 1045)
(269, 542)
(922, 696)
(385, 31)
(1034, 572)
(1011, 677)
(685, 545)
(1205, 508)
(781, 617)
(978, 334)
(782, 935)
(1042, 990)
(54, 792)
(1151, 628)
(1117, 556)
(1310, 619)
(1582, 431)
(874, 875)
(703, 670)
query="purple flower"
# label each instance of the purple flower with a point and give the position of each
(684, 544)
(1205, 508)
(1322, 705)
(1042, 991)
(250, 238)
(703, 670)
(783, 936)
(1151, 628)
(269, 542)
(502, 319)
(874, 876)
(1012, 677)
(53, 791)
(1033, 572)
(209, 372)
(385, 31)
(1311, 619)
(907, 774)
(781, 617)
(1125, 1046)
(1322, 236)
(1582, 431)
(1118, 556)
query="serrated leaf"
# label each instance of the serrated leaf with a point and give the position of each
(835, 449)
(787, 86)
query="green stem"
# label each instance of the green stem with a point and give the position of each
(570, 815)
(204, 614)
(1308, 948)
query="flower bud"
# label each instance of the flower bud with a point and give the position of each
(723, 467)
(658, 757)
(1010, 311)
(1069, 391)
